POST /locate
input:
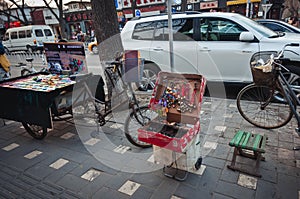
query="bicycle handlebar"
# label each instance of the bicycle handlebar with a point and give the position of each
(283, 49)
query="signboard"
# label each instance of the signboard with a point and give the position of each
(65, 57)
(209, 5)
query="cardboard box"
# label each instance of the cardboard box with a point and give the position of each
(184, 161)
(177, 98)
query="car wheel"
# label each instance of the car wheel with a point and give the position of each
(95, 49)
(149, 77)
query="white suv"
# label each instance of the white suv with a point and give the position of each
(214, 44)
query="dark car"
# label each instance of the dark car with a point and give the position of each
(278, 26)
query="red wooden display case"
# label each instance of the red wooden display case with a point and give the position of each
(178, 122)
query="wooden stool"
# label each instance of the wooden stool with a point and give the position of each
(254, 143)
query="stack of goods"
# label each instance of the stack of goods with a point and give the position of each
(40, 82)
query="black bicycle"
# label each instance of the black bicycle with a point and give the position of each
(270, 102)
(120, 96)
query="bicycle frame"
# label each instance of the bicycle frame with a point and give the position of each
(290, 97)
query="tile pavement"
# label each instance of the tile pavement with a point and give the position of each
(67, 164)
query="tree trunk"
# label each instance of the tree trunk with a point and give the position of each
(106, 29)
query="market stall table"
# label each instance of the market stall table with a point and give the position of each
(32, 100)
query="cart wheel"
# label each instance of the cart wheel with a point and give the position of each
(198, 163)
(35, 131)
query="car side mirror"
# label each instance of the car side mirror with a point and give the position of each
(246, 36)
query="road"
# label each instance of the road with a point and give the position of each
(219, 90)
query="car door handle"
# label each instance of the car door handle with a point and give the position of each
(158, 49)
(205, 49)
(246, 51)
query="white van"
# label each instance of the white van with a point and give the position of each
(29, 38)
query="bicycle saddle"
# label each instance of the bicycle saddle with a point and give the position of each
(29, 59)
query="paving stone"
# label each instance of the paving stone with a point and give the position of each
(92, 187)
(107, 193)
(233, 190)
(285, 183)
(50, 188)
(59, 163)
(28, 179)
(148, 179)
(265, 190)
(70, 195)
(129, 187)
(40, 171)
(175, 197)
(91, 174)
(72, 182)
(188, 192)
(33, 154)
(247, 181)
(67, 135)
(166, 188)
(229, 175)
(213, 162)
(11, 147)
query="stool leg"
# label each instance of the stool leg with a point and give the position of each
(232, 165)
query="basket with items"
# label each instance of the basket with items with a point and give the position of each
(262, 70)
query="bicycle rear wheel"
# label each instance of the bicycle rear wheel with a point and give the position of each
(257, 105)
(138, 118)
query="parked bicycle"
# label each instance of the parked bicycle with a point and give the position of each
(120, 96)
(270, 102)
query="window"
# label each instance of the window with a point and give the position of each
(182, 30)
(276, 27)
(218, 29)
(14, 35)
(144, 31)
(28, 33)
(48, 32)
(38, 33)
(22, 34)
(6, 37)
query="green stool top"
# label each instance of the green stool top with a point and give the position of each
(246, 140)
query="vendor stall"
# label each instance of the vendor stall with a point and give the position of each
(177, 99)
(29, 99)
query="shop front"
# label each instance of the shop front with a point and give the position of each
(79, 22)
(240, 6)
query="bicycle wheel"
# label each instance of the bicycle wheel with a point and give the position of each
(257, 105)
(35, 131)
(138, 118)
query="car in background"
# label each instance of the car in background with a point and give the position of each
(217, 45)
(30, 38)
(93, 47)
(278, 26)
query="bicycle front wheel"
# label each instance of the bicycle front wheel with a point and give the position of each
(258, 105)
(138, 118)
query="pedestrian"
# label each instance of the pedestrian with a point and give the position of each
(294, 21)
(4, 64)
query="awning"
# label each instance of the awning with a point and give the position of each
(237, 2)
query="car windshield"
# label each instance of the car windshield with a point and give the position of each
(266, 32)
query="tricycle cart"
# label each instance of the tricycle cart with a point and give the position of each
(35, 99)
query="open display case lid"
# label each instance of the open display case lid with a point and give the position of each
(178, 97)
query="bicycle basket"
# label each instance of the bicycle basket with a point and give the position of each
(259, 76)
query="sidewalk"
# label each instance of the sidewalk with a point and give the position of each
(85, 161)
